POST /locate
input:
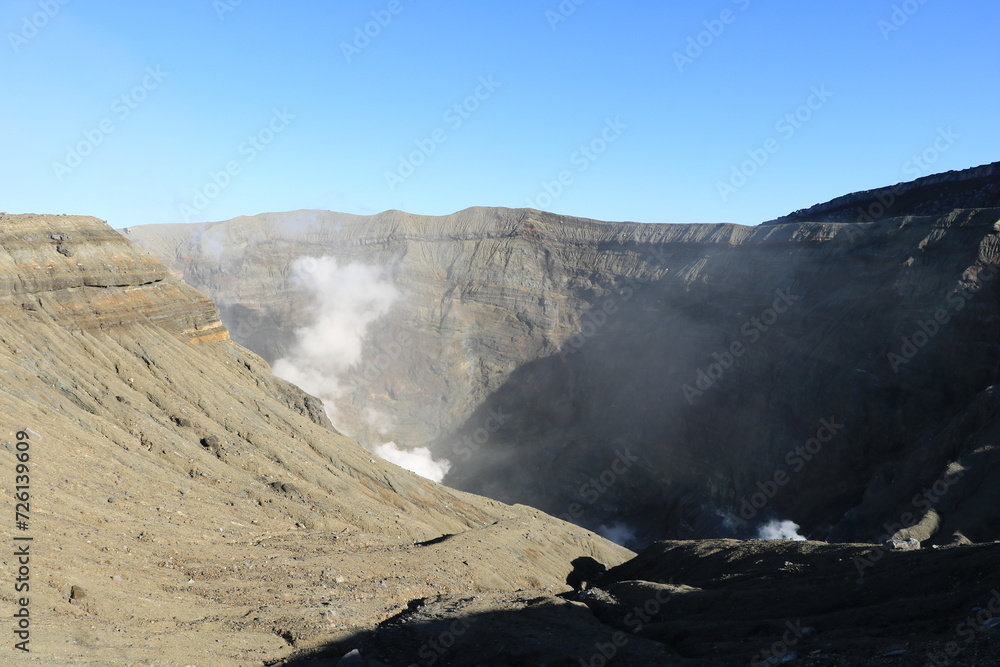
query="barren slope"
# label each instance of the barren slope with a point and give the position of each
(187, 492)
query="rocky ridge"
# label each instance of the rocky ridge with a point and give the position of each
(930, 195)
(822, 368)
(190, 508)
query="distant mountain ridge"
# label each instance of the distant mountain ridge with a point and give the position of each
(712, 354)
(938, 194)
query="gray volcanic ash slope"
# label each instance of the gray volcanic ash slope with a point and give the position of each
(663, 380)
(187, 507)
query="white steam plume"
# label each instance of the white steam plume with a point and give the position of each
(617, 532)
(377, 420)
(347, 299)
(213, 241)
(416, 460)
(779, 530)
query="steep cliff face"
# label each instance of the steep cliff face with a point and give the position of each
(482, 292)
(186, 507)
(669, 380)
(812, 373)
(82, 274)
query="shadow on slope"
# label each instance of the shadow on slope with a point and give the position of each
(530, 629)
(680, 402)
(717, 602)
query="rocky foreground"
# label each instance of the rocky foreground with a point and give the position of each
(717, 602)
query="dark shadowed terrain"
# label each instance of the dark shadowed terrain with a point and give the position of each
(719, 602)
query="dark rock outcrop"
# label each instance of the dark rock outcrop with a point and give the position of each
(931, 195)
(718, 602)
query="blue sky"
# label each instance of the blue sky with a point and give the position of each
(707, 111)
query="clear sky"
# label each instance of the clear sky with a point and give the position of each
(703, 111)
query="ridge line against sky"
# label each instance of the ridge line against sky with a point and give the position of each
(725, 111)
